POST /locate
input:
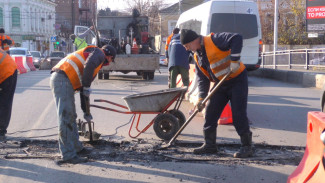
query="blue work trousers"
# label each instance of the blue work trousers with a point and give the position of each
(63, 93)
(7, 91)
(235, 91)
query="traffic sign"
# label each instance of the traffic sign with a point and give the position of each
(53, 39)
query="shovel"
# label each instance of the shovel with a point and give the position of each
(170, 143)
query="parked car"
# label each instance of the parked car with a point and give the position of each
(55, 57)
(37, 58)
(163, 60)
(19, 51)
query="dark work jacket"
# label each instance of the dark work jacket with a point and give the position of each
(178, 56)
(224, 41)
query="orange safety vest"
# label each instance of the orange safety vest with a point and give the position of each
(219, 60)
(73, 66)
(168, 41)
(7, 65)
(5, 46)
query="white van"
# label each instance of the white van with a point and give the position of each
(239, 16)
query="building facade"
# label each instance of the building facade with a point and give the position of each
(29, 22)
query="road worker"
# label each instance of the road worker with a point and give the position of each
(169, 38)
(6, 41)
(80, 41)
(74, 73)
(8, 81)
(216, 55)
(178, 61)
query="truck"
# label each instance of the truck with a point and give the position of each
(119, 31)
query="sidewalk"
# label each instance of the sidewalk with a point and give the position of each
(305, 78)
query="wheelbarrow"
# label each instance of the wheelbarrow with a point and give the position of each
(167, 121)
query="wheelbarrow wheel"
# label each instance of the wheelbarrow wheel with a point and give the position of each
(179, 115)
(166, 126)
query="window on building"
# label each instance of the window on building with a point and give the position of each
(15, 14)
(1, 17)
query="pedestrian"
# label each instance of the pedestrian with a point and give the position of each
(74, 73)
(8, 81)
(216, 55)
(80, 41)
(178, 61)
(6, 41)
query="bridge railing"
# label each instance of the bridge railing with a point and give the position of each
(305, 59)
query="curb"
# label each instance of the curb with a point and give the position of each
(306, 79)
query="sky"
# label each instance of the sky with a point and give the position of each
(119, 4)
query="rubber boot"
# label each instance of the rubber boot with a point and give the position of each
(210, 145)
(246, 150)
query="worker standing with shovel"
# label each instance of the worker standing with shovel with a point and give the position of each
(216, 55)
(73, 73)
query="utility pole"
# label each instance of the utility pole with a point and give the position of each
(72, 15)
(179, 7)
(275, 39)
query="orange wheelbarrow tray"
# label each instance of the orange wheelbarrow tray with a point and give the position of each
(166, 123)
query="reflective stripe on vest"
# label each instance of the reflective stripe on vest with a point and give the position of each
(80, 43)
(219, 60)
(7, 66)
(73, 66)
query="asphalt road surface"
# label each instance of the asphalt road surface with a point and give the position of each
(277, 112)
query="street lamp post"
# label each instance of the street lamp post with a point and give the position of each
(275, 46)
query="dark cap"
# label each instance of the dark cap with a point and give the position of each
(188, 36)
(2, 30)
(176, 31)
(109, 51)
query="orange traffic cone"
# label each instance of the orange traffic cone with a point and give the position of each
(134, 44)
(134, 49)
(226, 116)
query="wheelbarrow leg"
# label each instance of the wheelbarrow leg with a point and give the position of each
(171, 141)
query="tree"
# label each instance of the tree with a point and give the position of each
(292, 27)
(108, 12)
(148, 8)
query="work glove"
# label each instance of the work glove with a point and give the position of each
(4, 41)
(88, 117)
(234, 66)
(86, 91)
(199, 105)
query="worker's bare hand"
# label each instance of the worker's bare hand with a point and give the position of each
(91, 27)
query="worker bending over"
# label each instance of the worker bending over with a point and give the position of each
(74, 73)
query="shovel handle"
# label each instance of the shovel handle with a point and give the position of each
(196, 110)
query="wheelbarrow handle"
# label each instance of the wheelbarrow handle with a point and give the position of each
(196, 110)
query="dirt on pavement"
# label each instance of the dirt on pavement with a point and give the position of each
(144, 150)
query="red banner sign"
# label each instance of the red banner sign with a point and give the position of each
(316, 12)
